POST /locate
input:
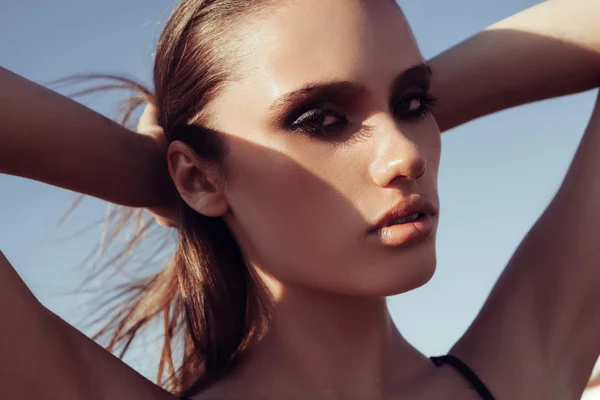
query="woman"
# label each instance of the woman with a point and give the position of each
(305, 155)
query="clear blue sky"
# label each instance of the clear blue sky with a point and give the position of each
(497, 174)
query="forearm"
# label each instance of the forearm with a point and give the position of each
(549, 50)
(53, 139)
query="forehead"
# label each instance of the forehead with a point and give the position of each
(300, 42)
(323, 39)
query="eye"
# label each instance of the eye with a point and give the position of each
(415, 105)
(319, 122)
(412, 105)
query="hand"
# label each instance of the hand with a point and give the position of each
(148, 125)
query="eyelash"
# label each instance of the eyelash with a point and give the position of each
(310, 121)
(428, 102)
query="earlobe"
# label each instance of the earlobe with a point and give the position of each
(198, 182)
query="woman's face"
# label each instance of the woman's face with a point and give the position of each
(328, 130)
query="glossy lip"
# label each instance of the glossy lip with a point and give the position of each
(416, 204)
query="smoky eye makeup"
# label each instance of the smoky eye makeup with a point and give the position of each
(325, 108)
(318, 119)
(412, 103)
(411, 99)
(318, 108)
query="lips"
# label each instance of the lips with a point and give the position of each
(406, 211)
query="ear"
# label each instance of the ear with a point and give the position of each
(198, 182)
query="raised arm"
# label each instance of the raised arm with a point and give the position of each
(538, 335)
(549, 50)
(43, 357)
(50, 138)
(53, 139)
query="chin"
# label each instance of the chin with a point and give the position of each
(417, 280)
(398, 276)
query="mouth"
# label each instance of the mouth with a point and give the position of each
(405, 220)
(411, 220)
(405, 212)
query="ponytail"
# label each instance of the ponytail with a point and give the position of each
(208, 301)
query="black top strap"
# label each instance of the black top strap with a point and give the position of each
(465, 371)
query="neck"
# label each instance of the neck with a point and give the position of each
(325, 346)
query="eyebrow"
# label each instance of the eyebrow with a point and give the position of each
(419, 74)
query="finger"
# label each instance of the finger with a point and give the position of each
(148, 119)
(148, 125)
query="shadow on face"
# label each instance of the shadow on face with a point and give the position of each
(328, 128)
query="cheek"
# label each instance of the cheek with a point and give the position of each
(301, 221)
(287, 217)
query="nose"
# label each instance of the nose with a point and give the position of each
(397, 158)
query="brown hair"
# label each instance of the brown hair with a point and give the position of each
(206, 296)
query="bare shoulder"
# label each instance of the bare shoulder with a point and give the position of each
(42, 356)
(538, 335)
